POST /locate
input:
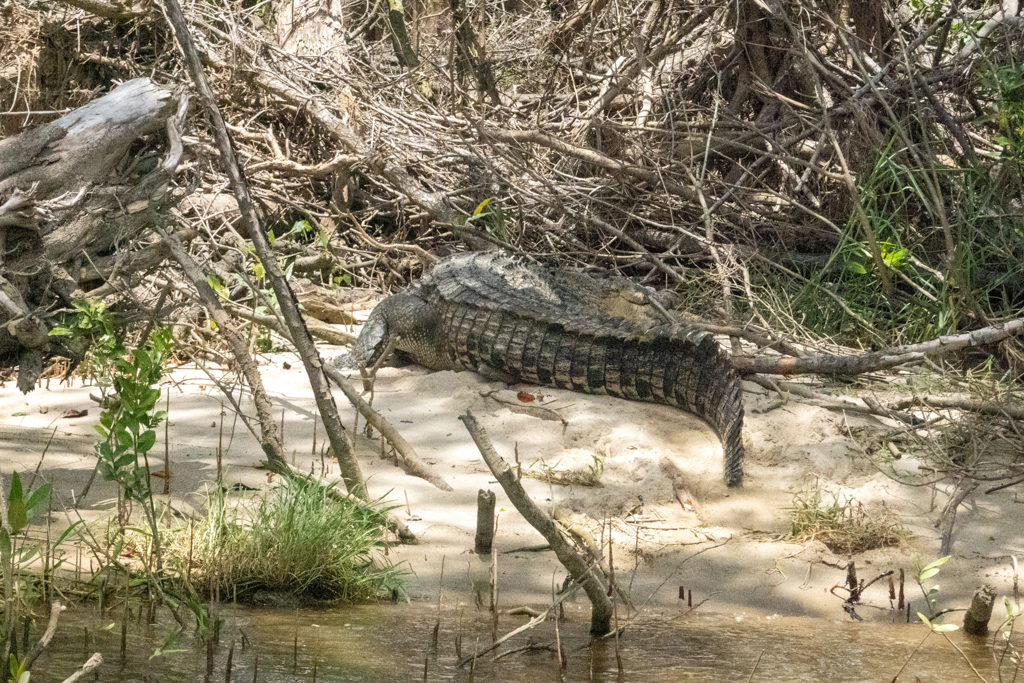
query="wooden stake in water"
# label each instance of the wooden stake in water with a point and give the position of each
(227, 668)
(295, 645)
(437, 622)
(458, 638)
(124, 627)
(494, 584)
(484, 522)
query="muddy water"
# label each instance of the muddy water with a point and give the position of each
(393, 643)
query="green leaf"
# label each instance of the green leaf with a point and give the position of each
(146, 441)
(15, 494)
(67, 532)
(938, 563)
(924, 620)
(944, 628)
(37, 498)
(59, 331)
(16, 515)
(856, 267)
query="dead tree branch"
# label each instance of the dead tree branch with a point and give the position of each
(298, 332)
(853, 364)
(584, 572)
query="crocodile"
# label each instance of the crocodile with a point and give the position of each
(495, 314)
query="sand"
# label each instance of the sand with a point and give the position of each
(674, 523)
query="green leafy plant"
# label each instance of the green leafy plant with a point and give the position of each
(89, 332)
(922, 573)
(926, 572)
(128, 425)
(1004, 87)
(1008, 654)
(17, 553)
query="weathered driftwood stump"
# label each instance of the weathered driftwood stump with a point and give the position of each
(980, 611)
(70, 194)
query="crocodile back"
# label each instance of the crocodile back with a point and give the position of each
(551, 329)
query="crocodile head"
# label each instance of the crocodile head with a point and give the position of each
(403, 322)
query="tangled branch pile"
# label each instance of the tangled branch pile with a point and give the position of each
(832, 170)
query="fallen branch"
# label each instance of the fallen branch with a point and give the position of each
(593, 580)
(90, 665)
(535, 621)
(973, 405)
(963, 488)
(318, 329)
(853, 364)
(55, 609)
(408, 459)
(869, 406)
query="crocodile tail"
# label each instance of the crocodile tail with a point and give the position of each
(706, 384)
(682, 367)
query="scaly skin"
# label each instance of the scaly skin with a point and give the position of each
(490, 312)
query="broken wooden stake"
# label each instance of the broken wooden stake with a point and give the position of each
(484, 522)
(980, 611)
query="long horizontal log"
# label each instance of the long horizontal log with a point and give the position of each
(853, 364)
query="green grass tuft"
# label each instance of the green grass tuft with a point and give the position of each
(299, 539)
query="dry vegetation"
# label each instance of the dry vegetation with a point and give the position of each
(841, 522)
